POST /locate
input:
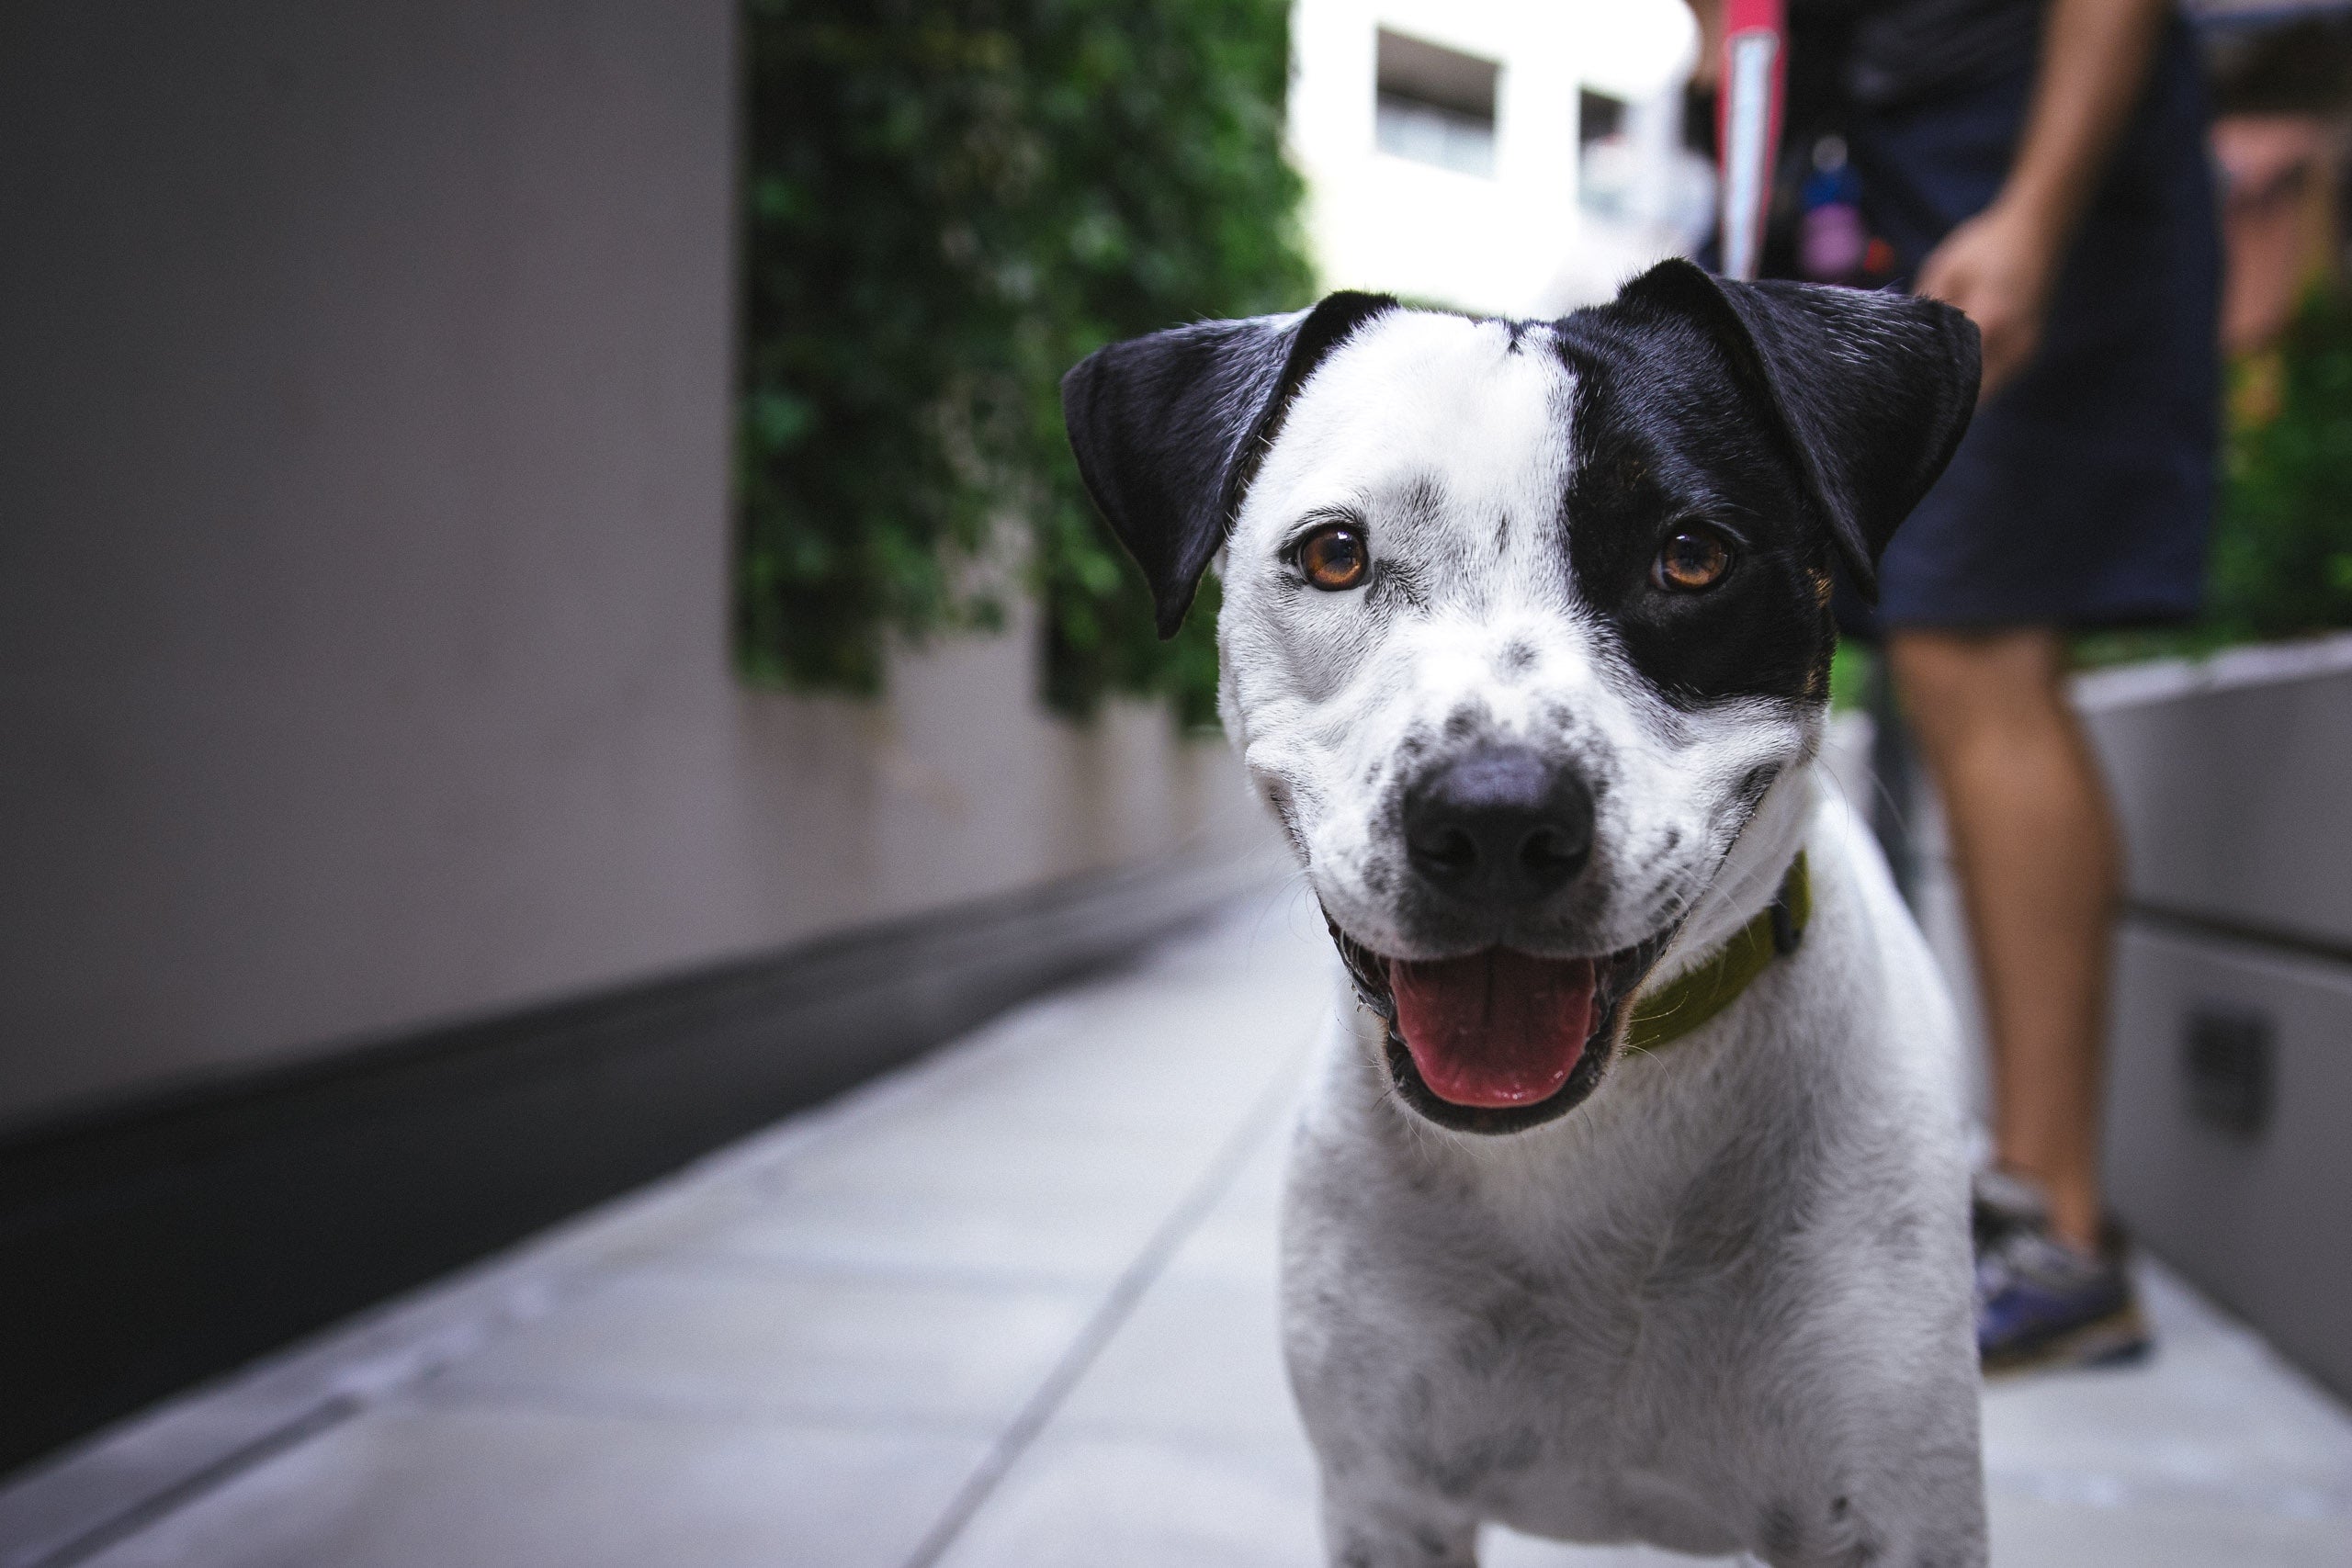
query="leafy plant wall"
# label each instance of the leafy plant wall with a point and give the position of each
(948, 203)
(2282, 543)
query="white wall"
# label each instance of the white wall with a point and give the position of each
(364, 553)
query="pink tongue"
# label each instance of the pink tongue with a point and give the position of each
(1498, 1028)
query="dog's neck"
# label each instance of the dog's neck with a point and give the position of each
(1751, 875)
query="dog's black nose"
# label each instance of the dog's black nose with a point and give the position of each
(1499, 826)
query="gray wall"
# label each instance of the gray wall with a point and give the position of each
(364, 554)
(2231, 779)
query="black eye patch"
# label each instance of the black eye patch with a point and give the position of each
(1667, 462)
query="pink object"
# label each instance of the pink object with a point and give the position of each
(1831, 243)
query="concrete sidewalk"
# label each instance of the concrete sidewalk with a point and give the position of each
(1013, 1306)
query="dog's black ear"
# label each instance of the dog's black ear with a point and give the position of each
(1873, 392)
(1169, 429)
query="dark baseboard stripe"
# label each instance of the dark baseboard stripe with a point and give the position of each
(146, 1247)
(2188, 922)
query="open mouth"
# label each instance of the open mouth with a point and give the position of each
(1499, 1041)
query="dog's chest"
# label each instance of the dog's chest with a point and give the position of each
(1539, 1362)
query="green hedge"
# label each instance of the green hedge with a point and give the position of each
(948, 204)
(2282, 542)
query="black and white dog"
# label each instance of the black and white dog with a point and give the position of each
(1609, 1218)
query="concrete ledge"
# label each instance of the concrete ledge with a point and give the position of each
(2229, 776)
(147, 1246)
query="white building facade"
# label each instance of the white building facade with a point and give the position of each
(1501, 156)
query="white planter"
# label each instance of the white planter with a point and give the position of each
(2235, 777)
(2229, 1105)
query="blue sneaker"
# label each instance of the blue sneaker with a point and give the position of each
(2040, 1301)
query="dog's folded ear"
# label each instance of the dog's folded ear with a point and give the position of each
(1169, 429)
(1873, 390)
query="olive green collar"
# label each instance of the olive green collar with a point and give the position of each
(1689, 1000)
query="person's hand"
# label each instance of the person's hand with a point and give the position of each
(1998, 267)
(1709, 14)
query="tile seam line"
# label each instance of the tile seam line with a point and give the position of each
(328, 1413)
(2274, 942)
(1118, 1304)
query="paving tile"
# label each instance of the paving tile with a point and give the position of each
(2213, 1418)
(60, 1503)
(724, 1340)
(1134, 1085)
(1077, 1202)
(2032, 1533)
(1074, 1235)
(1171, 1060)
(925, 1156)
(2177, 1423)
(1179, 1095)
(1239, 1238)
(1505, 1548)
(410, 1488)
(1079, 1502)
(1200, 1360)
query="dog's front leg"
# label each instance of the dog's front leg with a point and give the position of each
(1376, 1527)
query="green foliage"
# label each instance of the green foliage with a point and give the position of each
(1852, 667)
(949, 203)
(2282, 544)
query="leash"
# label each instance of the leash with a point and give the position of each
(1748, 104)
(1693, 998)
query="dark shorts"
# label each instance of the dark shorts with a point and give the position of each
(2081, 495)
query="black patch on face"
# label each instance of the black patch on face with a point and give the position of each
(1169, 430)
(1866, 394)
(1798, 422)
(1665, 439)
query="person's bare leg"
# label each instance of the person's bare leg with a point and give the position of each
(2039, 870)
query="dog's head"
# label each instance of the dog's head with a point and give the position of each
(1522, 619)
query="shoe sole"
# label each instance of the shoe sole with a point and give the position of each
(2119, 1339)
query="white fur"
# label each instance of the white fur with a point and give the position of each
(1723, 1304)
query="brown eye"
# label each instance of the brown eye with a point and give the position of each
(1691, 562)
(1335, 557)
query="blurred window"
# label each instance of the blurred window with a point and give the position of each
(1436, 104)
(1598, 116)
